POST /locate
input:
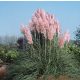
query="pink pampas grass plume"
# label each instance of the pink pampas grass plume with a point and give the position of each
(64, 38)
(27, 34)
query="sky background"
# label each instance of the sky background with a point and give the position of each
(12, 14)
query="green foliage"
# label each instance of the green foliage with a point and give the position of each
(23, 68)
(12, 54)
(75, 50)
(77, 36)
(44, 57)
(8, 54)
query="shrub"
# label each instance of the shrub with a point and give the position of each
(7, 54)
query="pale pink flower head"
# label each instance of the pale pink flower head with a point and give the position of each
(64, 38)
(57, 26)
(58, 29)
(31, 26)
(43, 14)
(34, 20)
(51, 32)
(67, 36)
(40, 21)
(22, 28)
(27, 34)
(61, 41)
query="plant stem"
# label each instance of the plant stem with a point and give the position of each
(45, 50)
(50, 52)
(35, 35)
(39, 49)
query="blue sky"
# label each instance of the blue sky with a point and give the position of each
(12, 14)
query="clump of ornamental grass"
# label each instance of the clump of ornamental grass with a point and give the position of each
(47, 48)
